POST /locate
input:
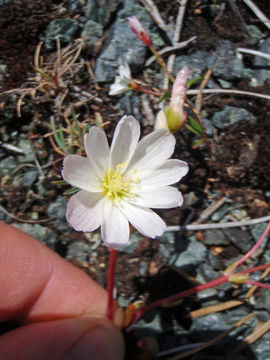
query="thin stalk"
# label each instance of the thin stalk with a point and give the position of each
(250, 252)
(111, 272)
(259, 284)
(196, 289)
(162, 63)
(222, 279)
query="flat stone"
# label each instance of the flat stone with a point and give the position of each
(231, 115)
(63, 29)
(192, 256)
(241, 239)
(215, 237)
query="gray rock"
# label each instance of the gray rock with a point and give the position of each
(57, 211)
(26, 147)
(92, 32)
(255, 34)
(197, 62)
(29, 177)
(231, 115)
(43, 234)
(7, 165)
(241, 239)
(256, 231)
(220, 213)
(215, 237)
(192, 256)
(122, 45)
(225, 63)
(261, 346)
(79, 251)
(209, 128)
(207, 272)
(213, 322)
(75, 5)
(133, 242)
(261, 65)
(262, 306)
(64, 29)
(101, 11)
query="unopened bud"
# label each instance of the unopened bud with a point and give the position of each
(238, 278)
(139, 31)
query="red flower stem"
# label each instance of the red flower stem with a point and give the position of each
(135, 86)
(259, 284)
(256, 268)
(197, 289)
(111, 272)
(222, 279)
(251, 251)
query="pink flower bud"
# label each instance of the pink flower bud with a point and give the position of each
(179, 92)
(139, 31)
(173, 116)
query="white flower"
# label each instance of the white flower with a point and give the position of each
(120, 184)
(121, 82)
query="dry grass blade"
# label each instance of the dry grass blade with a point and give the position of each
(198, 102)
(52, 78)
(259, 331)
(215, 308)
(258, 13)
(153, 11)
(213, 341)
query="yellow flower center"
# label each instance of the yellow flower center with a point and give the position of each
(116, 185)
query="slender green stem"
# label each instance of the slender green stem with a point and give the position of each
(161, 63)
(111, 272)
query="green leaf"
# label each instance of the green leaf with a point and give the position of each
(197, 142)
(192, 82)
(59, 139)
(166, 95)
(71, 191)
(194, 126)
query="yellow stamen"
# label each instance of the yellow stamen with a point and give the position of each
(117, 184)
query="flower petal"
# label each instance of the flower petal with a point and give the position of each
(146, 221)
(115, 227)
(79, 172)
(124, 72)
(153, 150)
(85, 211)
(97, 149)
(169, 173)
(125, 140)
(164, 197)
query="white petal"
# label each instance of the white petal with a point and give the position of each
(169, 173)
(158, 198)
(97, 149)
(146, 221)
(85, 211)
(125, 140)
(124, 72)
(115, 227)
(153, 150)
(78, 172)
(118, 88)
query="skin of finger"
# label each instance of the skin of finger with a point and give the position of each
(52, 340)
(37, 285)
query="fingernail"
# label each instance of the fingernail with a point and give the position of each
(100, 343)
